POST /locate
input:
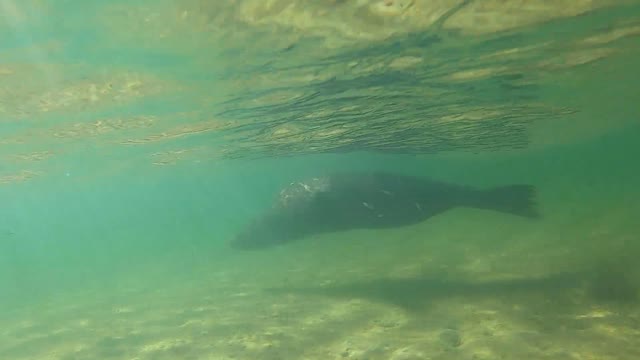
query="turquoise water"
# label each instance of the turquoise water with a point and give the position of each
(140, 137)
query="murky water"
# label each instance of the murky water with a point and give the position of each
(140, 137)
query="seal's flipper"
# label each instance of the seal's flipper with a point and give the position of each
(512, 199)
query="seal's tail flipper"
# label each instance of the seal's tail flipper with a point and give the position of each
(512, 199)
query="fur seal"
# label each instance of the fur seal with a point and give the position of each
(370, 200)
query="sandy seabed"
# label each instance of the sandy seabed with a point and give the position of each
(444, 299)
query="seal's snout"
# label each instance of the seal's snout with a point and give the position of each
(265, 232)
(255, 236)
(242, 242)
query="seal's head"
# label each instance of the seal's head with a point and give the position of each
(290, 218)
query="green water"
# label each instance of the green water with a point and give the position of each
(139, 137)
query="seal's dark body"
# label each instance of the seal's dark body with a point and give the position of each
(346, 201)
